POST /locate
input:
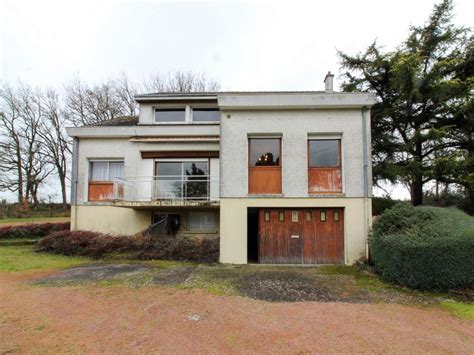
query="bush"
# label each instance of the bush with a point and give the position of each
(424, 247)
(32, 230)
(84, 243)
(380, 204)
(97, 245)
(180, 248)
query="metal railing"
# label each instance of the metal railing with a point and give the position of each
(167, 187)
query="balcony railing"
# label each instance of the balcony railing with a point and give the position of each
(165, 187)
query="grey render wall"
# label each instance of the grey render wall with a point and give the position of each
(122, 148)
(294, 126)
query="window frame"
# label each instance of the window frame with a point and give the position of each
(105, 160)
(170, 108)
(250, 166)
(339, 155)
(188, 114)
(197, 108)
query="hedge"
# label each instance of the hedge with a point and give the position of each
(32, 230)
(428, 248)
(98, 245)
(380, 204)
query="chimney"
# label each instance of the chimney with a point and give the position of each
(328, 80)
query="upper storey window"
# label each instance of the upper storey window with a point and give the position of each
(324, 153)
(206, 115)
(187, 114)
(324, 166)
(264, 152)
(170, 115)
(264, 166)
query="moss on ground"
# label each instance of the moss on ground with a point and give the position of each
(460, 309)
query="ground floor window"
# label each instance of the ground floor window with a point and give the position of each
(202, 221)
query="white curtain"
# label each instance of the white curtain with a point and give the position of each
(99, 171)
(115, 170)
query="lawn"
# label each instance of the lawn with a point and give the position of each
(18, 255)
(18, 221)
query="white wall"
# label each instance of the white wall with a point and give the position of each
(294, 126)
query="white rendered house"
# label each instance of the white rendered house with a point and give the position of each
(279, 177)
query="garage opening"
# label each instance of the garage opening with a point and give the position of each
(300, 236)
(252, 235)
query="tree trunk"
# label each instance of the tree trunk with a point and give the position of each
(62, 180)
(417, 191)
(417, 181)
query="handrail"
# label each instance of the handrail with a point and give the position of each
(167, 187)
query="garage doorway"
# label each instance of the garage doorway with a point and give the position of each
(301, 236)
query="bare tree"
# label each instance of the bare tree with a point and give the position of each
(180, 81)
(87, 105)
(125, 91)
(22, 166)
(35, 166)
(56, 145)
(11, 157)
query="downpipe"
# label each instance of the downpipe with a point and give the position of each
(365, 139)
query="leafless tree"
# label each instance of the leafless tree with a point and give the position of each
(85, 105)
(56, 145)
(180, 81)
(125, 91)
(11, 157)
(35, 166)
(22, 165)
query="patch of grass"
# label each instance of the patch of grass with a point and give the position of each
(460, 309)
(23, 258)
(34, 220)
(211, 280)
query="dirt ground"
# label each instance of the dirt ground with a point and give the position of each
(122, 318)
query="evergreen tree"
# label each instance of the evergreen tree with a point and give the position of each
(423, 117)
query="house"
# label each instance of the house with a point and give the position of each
(280, 177)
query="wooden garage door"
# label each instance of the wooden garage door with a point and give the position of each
(301, 236)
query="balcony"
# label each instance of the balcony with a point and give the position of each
(167, 191)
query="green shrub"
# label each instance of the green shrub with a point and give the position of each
(380, 204)
(424, 247)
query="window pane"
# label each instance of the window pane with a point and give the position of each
(170, 115)
(281, 216)
(99, 171)
(168, 169)
(264, 151)
(196, 182)
(201, 221)
(206, 115)
(195, 168)
(266, 216)
(324, 153)
(115, 170)
(168, 182)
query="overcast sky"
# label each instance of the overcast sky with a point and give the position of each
(252, 45)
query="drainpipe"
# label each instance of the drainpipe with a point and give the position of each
(365, 142)
(74, 179)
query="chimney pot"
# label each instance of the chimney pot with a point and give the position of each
(328, 81)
